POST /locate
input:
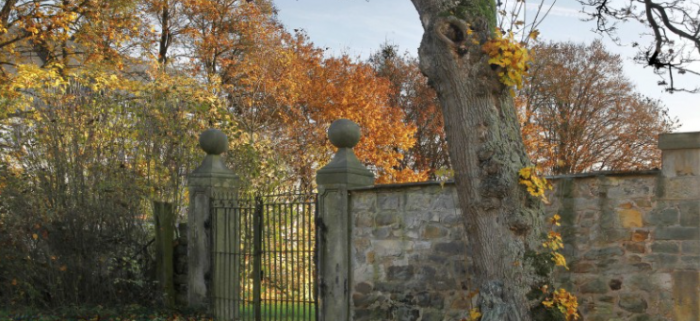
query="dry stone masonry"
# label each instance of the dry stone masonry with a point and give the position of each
(632, 241)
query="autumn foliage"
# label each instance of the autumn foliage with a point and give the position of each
(409, 91)
(101, 105)
(578, 113)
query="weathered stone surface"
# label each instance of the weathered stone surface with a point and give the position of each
(399, 273)
(689, 213)
(596, 285)
(450, 248)
(388, 201)
(597, 254)
(686, 296)
(384, 219)
(630, 217)
(666, 216)
(363, 287)
(623, 242)
(633, 303)
(677, 233)
(433, 231)
(691, 247)
(635, 247)
(664, 247)
(640, 236)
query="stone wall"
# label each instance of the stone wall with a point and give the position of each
(632, 241)
(632, 244)
(407, 253)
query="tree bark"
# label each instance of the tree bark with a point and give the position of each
(486, 150)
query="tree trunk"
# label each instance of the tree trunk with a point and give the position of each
(486, 151)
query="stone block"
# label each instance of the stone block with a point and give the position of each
(433, 300)
(690, 213)
(418, 201)
(641, 267)
(450, 248)
(594, 286)
(381, 233)
(582, 267)
(677, 233)
(665, 247)
(445, 200)
(597, 254)
(384, 248)
(364, 287)
(682, 188)
(635, 247)
(640, 236)
(451, 219)
(363, 220)
(633, 303)
(363, 201)
(691, 262)
(630, 217)
(691, 247)
(686, 295)
(400, 273)
(433, 231)
(385, 218)
(389, 201)
(662, 260)
(425, 273)
(666, 216)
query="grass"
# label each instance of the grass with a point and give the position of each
(281, 312)
(98, 313)
(270, 312)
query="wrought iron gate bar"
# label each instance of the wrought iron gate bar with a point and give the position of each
(263, 260)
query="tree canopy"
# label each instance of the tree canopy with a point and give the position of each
(579, 113)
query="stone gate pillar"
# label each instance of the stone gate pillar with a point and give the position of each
(334, 180)
(680, 188)
(210, 179)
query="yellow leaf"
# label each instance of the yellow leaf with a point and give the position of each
(474, 314)
(35, 236)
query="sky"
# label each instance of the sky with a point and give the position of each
(359, 27)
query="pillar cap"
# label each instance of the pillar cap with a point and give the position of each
(344, 133)
(679, 141)
(213, 141)
(344, 168)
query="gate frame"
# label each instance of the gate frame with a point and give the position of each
(212, 181)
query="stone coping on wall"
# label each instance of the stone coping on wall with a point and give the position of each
(403, 185)
(550, 177)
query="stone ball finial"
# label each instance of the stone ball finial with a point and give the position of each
(344, 133)
(213, 141)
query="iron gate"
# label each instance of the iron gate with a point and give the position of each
(263, 259)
